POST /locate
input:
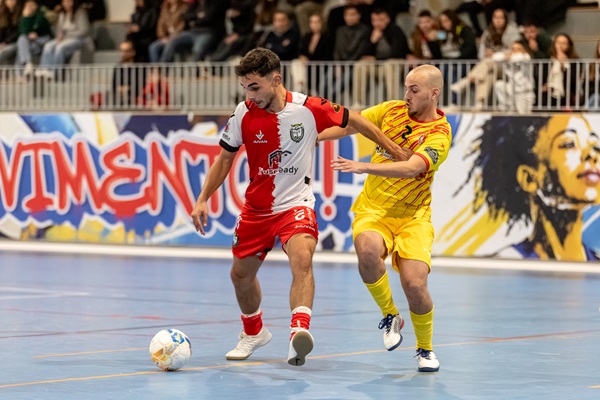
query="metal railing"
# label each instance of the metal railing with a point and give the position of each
(210, 88)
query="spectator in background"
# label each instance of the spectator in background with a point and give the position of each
(424, 38)
(517, 90)
(303, 9)
(457, 43)
(242, 15)
(96, 9)
(204, 28)
(156, 92)
(10, 14)
(170, 24)
(283, 39)
(265, 10)
(537, 39)
(73, 32)
(142, 30)
(474, 8)
(388, 45)
(594, 81)
(34, 33)
(336, 19)
(128, 80)
(561, 79)
(316, 45)
(495, 44)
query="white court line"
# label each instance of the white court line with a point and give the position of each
(35, 293)
(320, 256)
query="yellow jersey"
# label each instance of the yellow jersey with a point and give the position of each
(403, 197)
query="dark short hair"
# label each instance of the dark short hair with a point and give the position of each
(259, 61)
(425, 13)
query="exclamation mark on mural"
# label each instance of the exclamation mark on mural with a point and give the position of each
(328, 210)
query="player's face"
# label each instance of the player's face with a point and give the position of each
(570, 151)
(261, 90)
(417, 95)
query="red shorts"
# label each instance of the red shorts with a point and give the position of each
(255, 235)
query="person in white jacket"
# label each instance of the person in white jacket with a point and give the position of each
(516, 91)
(73, 32)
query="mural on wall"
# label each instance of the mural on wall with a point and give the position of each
(512, 186)
(521, 186)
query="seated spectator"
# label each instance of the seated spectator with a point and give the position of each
(10, 14)
(170, 24)
(516, 91)
(283, 39)
(336, 19)
(388, 45)
(303, 9)
(142, 29)
(265, 10)
(538, 40)
(474, 8)
(156, 92)
(73, 32)
(242, 15)
(594, 81)
(316, 45)
(34, 33)
(128, 80)
(495, 43)
(424, 38)
(204, 28)
(457, 43)
(561, 79)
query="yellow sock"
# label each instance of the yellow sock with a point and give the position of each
(382, 294)
(423, 326)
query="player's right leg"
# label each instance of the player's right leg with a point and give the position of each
(373, 242)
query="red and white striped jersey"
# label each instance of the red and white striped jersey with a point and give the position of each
(281, 149)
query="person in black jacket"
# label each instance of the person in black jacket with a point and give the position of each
(242, 15)
(205, 27)
(283, 39)
(388, 45)
(142, 29)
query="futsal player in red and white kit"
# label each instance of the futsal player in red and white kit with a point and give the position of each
(279, 130)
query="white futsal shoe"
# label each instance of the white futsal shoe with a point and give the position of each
(301, 344)
(249, 343)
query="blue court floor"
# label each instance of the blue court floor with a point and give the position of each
(78, 327)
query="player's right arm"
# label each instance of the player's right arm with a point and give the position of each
(215, 177)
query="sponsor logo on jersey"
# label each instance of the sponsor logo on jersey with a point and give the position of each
(433, 154)
(259, 138)
(297, 132)
(382, 152)
(277, 171)
(276, 156)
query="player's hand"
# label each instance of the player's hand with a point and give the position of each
(200, 216)
(345, 165)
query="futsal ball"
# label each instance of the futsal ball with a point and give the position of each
(170, 349)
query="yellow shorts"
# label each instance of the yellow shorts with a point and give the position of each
(410, 237)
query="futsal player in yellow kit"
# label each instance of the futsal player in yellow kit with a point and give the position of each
(393, 214)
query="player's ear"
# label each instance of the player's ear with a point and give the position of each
(277, 80)
(526, 177)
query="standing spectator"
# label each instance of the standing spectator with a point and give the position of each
(594, 81)
(388, 45)
(495, 43)
(538, 40)
(73, 32)
(170, 24)
(424, 39)
(10, 13)
(517, 91)
(142, 30)
(457, 43)
(561, 86)
(34, 33)
(316, 45)
(129, 79)
(204, 28)
(283, 39)
(242, 15)
(303, 9)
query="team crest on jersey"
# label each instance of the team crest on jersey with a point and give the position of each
(432, 153)
(297, 132)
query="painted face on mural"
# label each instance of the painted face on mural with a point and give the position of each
(569, 154)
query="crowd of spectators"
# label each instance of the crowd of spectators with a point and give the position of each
(360, 32)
